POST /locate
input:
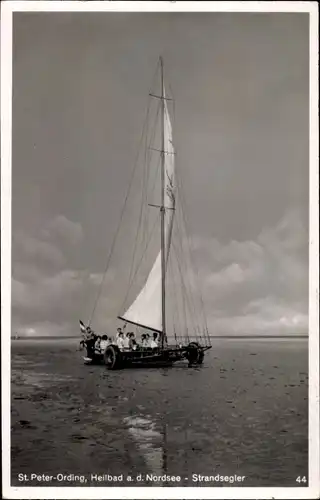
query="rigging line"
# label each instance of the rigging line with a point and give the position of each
(127, 194)
(175, 294)
(190, 280)
(188, 267)
(159, 157)
(121, 217)
(154, 130)
(174, 309)
(149, 155)
(169, 295)
(195, 269)
(155, 177)
(180, 241)
(139, 264)
(188, 300)
(185, 295)
(183, 325)
(147, 160)
(193, 302)
(173, 107)
(180, 250)
(155, 76)
(146, 176)
(174, 120)
(146, 182)
(140, 214)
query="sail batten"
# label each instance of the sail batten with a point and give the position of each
(146, 309)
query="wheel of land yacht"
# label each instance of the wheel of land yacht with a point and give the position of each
(113, 357)
(200, 353)
(201, 357)
(195, 354)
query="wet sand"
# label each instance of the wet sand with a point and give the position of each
(244, 412)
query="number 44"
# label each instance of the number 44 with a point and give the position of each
(301, 479)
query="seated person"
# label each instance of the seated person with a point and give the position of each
(97, 344)
(154, 341)
(126, 340)
(147, 343)
(104, 343)
(143, 340)
(132, 341)
(120, 340)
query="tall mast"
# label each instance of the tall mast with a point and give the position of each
(162, 213)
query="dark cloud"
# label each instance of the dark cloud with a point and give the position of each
(260, 285)
(49, 294)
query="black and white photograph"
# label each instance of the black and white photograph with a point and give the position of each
(159, 240)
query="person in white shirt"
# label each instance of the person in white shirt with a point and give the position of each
(154, 341)
(126, 340)
(144, 341)
(121, 330)
(148, 341)
(132, 341)
(104, 343)
(120, 341)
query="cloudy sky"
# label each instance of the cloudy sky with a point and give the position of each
(80, 87)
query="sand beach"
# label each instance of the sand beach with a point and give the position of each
(243, 413)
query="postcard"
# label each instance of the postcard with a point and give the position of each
(160, 250)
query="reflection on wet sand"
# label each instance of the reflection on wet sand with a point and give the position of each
(150, 442)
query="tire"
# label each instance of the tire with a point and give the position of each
(195, 354)
(201, 357)
(113, 357)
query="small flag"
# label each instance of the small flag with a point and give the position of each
(82, 327)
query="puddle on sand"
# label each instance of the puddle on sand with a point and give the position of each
(149, 441)
(41, 380)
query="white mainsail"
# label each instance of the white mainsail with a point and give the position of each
(146, 310)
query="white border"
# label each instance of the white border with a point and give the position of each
(313, 491)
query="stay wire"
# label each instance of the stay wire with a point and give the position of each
(139, 264)
(191, 303)
(194, 267)
(120, 221)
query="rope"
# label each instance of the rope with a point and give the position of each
(192, 286)
(145, 224)
(140, 218)
(194, 267)
(120, 221)
(139, 264)
(193, 308)
(185, 298)
(145, 182)
(175, 310)
(149, 177)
